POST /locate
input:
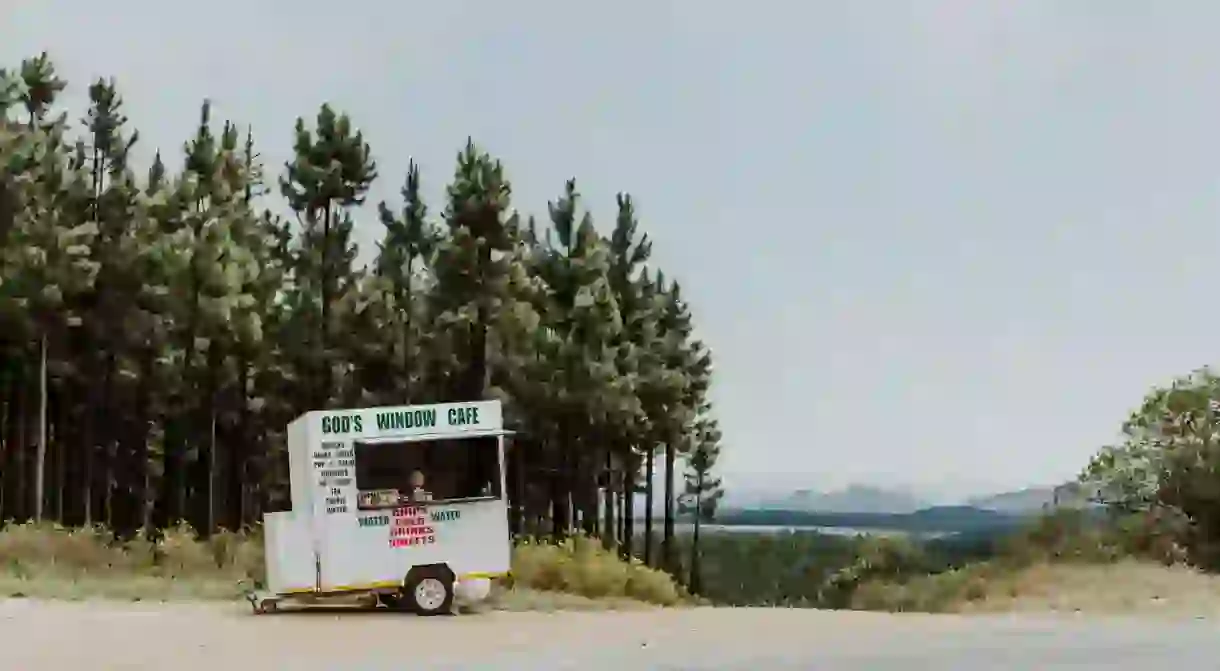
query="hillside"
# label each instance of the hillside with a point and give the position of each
(851, 499)
(937, 519)
(1032, 499)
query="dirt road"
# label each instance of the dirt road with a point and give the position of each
(43, 635)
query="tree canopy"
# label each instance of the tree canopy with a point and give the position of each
(1168, 463)
(160, 325)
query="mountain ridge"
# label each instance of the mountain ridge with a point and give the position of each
(866, 498)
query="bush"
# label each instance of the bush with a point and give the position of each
(48, 559)
(582, 566)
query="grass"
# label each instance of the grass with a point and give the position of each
(1059, 564)
(50, 561)
(1055, 565)
(1125, 586)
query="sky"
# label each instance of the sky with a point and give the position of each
(945, 245)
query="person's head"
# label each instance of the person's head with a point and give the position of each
(417, 478)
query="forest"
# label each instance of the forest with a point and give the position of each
(161, 324)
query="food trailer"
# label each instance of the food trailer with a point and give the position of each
(404, 506)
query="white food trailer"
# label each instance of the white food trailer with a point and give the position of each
(403, 505)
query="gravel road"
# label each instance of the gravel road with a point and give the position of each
(45, 635)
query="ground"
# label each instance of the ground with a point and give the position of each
(1050, 616)
(38, 635)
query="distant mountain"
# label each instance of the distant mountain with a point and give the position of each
(937, 519)
(853, 499)
(1033, 499)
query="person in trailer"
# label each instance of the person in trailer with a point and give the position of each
(416, 491)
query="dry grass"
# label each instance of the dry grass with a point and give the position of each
(50, 561)
(1127, 586)
(582, 566)
(1122, 587)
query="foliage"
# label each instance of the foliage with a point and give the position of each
(580, 565)
(1167, 465)
(703, 490)
(159, 328)
(180, 564)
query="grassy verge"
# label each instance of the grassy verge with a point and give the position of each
(1127, 586)
(1132, 564)
(48, 561)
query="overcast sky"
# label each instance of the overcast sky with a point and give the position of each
(946, 243)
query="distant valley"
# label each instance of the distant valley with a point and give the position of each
(862, 498)
(866, 507)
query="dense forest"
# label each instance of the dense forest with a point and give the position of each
(161, 324)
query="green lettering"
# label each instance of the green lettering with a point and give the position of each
(406, 419)
(341, 423)
(463, 416)
(445, 515)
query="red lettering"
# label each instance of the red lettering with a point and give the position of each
(412, 541)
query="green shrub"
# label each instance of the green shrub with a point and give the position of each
(180, 564)
(582, 566)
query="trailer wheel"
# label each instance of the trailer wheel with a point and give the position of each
(429, 593)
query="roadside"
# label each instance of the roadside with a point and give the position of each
(52, 562)
(1123, 587)
(204, 637)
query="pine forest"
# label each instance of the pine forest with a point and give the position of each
(161, 324)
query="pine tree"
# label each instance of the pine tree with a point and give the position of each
(332, 171)
(628, 254)
(410, 241)
(471, 269)
(181, 326)
(703, 490)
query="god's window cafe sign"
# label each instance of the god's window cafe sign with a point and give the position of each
(440, 420)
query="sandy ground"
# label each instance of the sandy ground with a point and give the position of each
(38, 635)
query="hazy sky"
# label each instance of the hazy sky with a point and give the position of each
(943, 243)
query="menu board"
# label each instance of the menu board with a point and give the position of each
(334, 463)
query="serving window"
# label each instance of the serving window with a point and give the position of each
(393, 474)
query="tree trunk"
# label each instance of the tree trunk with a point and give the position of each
(516, 462)
(695, 581)
(649, 465)
(630, 476)
(210, 522)
(620, 503)
(59, 436)
(105, 487)
(76, 414)
(235, 471)
(586, 486)
(139, 452)
(23, 457)
(40, 458)
(560, 523)
(609, 502)
(10, 466)
(668, 554)
(200, 471)
(408, 392)
(324, 382)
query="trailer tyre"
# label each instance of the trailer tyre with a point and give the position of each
(429, 592)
